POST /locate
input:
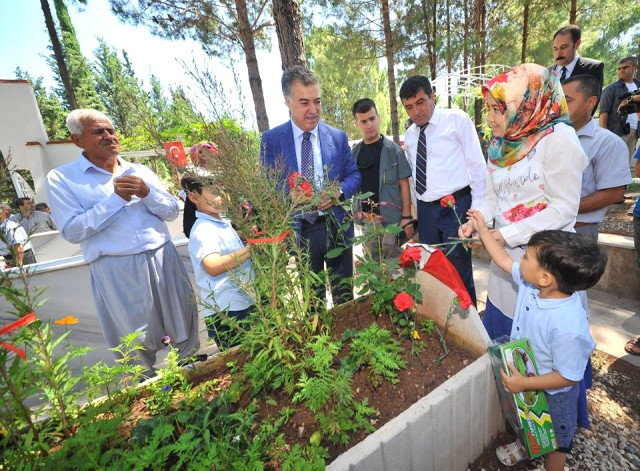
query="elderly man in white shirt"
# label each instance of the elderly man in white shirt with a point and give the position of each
(116, 211)
(443, 149)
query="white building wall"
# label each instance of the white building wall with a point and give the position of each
(23, 136)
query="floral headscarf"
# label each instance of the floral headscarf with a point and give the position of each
(202, 151)
(533, 102)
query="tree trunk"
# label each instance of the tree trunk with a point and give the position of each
(391, 73)
(59, 55)
(573, 13)
(480, 51)
(434, 23)
(465, 47)
(525, 31)
(288, 19)
(430, 34)
(249, 48)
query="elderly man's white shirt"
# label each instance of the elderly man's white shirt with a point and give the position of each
(89, 212)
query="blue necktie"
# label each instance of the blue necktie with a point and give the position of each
(421, 162)
(564, 74)
(306, 170)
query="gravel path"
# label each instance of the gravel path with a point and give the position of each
(613, 440)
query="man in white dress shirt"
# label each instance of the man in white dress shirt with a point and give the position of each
(116, 211)
(447, 160)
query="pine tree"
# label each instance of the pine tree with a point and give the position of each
(221, 28)
(119, 89)
(58, 56)
(79, 71)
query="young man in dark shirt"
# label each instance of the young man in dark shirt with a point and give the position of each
(385, 173)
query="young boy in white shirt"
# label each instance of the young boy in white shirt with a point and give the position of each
(221, 263)
(550, 314)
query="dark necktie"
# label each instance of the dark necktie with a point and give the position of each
(306, 164)
(421, 162)
(564, 74)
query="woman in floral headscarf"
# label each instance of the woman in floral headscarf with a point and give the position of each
(534, 178)
(534, 173)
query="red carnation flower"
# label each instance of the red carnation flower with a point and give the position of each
(306, 188)
(293, 179)
(448, 201)
(464, 299)
(410, 257)
(298, 182)
(403, 301)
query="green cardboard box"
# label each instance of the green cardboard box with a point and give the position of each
(527, 411)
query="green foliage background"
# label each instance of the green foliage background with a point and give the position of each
(344, 44)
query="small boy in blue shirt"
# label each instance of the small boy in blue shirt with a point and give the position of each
(221, 262)
(550, 314)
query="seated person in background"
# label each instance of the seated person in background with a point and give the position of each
(44, 207)
(385, 173)
(220, 262)
(31, 220)
(13, 235)
(549, 312)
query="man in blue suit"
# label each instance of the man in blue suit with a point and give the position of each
(321, 154)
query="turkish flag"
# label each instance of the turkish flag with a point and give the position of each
(175, 153)
(439, 266)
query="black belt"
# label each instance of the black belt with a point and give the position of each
(456, 194)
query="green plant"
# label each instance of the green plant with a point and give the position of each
(374, 276)
(378, 352)
(326, 391)
(461, 301)
(33, 372)
(170, 383)
(428, 326)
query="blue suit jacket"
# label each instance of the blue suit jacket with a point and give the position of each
(277, 143)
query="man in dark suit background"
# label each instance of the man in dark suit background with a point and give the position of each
(569, 63)
(322, 155)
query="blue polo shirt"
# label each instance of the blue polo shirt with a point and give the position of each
(558, 330)
(208, 236)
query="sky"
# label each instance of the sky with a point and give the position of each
(25, 44)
